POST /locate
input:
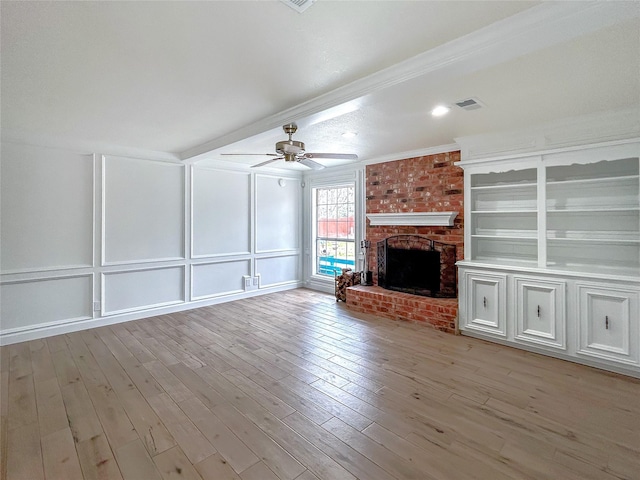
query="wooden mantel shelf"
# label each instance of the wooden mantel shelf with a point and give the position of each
(417, 219)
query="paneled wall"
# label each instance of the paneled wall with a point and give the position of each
(90, 239)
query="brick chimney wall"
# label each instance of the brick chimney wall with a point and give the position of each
(422, 184)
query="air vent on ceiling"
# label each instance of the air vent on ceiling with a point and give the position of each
(298, 5)
(470, 104)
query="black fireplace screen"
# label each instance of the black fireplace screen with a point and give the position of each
(415, 264)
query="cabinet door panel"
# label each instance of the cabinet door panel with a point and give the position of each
(540, 311)
(608, 323)
(486, 303)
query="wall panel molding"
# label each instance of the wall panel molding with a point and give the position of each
(152, 270)
(47, 218)
(278, 270)
(218, 278)
(220, 202)
(278, 217)
(163, 286)
(142, 199)
(45, 300)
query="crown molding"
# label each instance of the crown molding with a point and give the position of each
(422, 152)
(85, 147)
(539, 27)
(610, 126)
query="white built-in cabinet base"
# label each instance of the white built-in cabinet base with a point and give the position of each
(594, 321)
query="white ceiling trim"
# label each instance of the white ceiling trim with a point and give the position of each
(615, 126)
(86, 147)
(547, 24)
(423, 152)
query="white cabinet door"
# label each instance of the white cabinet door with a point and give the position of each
(485, 303)
(540, 311)
(608, 322)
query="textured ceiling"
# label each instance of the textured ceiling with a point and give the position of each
(178, 77)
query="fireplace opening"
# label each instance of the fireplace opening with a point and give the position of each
(418, 265)
(409, 270)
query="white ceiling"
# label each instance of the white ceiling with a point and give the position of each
(190, 80)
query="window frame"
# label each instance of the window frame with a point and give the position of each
(314, 228)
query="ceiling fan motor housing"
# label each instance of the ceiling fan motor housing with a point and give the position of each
(290, 148)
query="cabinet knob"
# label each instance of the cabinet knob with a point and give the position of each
(484, 302)
(606, 322)
(538, 311)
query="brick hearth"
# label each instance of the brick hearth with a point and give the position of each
(440, 313)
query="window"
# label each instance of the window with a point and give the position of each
(334, 225)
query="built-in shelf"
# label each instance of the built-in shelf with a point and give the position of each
(414, 219)
(598, 181)
(503, 212)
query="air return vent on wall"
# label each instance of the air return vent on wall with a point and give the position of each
(470, 104)
(298, 5)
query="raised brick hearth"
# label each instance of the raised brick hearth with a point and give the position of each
(440, 313)
(430, 183)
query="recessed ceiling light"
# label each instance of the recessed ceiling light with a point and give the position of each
(440, 110)
(349, 134)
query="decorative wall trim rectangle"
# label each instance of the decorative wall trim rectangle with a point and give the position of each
(103, 294)
(193, 266)
(416, 219)
(191, 201)
(182, 255)
(36, 279)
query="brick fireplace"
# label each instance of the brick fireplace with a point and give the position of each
(423, 184)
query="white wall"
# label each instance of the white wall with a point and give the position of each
(88, 240)
(46, 209)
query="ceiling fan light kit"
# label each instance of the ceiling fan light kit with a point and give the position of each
(294, 151)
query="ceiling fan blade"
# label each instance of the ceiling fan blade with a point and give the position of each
(250, 154)
(271, 160)
(337, 156)
(311, 164)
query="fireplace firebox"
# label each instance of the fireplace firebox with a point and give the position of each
(418, 265)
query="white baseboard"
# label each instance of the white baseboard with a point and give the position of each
(50, 329)
(321, 285)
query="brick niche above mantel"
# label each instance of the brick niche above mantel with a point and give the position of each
(418, 185)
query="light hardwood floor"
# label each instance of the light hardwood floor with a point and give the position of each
(294, 386)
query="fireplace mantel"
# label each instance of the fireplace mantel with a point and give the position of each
(416, 219)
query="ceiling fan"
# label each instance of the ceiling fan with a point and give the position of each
(293, 151)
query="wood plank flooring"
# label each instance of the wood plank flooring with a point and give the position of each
(294, 386)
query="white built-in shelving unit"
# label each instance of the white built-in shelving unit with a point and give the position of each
(552, 252)
(592, 217)
(503, 215)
